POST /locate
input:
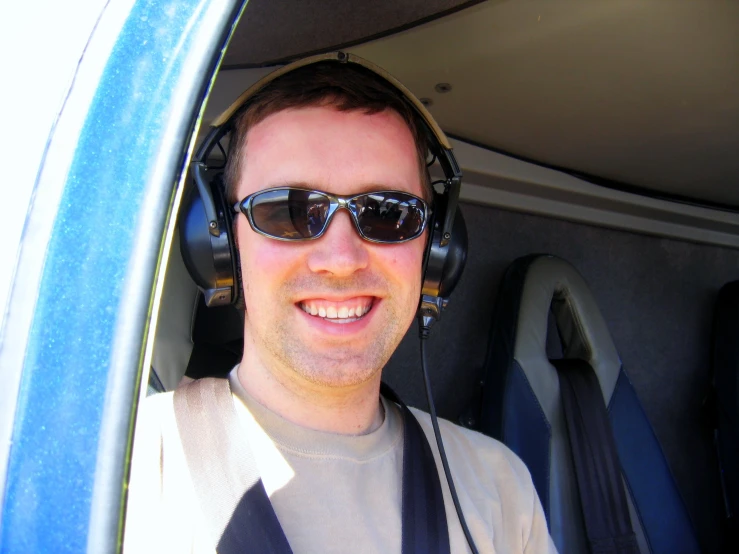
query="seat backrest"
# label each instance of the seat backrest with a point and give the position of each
(173, 340)
(726, 386)
(522, 406)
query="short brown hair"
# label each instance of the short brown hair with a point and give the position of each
(345, 87)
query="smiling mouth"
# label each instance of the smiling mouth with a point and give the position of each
(346, 311)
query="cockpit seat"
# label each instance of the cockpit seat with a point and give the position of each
(726, 402)
(522, 406)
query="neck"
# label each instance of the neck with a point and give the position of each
(348, 410)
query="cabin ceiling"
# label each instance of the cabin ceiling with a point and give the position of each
(641, 94)
(272, 31)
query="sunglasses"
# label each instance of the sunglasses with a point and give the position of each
(289, 213)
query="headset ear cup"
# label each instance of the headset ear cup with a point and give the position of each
(228, 260)
(456, 256)
(209, 258)
(443, 264)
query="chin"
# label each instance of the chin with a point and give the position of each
(338, 371)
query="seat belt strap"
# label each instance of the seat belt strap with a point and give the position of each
(224, 472)
(597, 467)
(423, 511)
(231, 493)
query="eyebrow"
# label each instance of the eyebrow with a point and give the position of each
(364, 187)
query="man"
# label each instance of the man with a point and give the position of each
(322, 317)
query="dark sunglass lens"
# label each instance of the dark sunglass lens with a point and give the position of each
(291, 214)
(390, 216)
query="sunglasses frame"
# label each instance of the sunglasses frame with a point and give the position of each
(335, 203)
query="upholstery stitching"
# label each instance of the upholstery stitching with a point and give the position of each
(638, 512)
(650, 430)
(617, 392)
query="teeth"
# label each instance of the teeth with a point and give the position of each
(342, 321)
(333, 313)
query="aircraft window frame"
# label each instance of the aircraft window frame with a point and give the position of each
(90, 326)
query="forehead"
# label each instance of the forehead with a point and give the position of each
(343, 152)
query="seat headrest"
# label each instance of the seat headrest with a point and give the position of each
(545, 283)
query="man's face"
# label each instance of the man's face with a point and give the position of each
(339, 275)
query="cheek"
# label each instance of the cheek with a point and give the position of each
(264, 265)
(406, 261)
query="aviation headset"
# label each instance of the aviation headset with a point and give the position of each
(205, 220)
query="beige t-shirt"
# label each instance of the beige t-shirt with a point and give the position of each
(332, 493)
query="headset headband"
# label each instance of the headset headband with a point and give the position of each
(344, 58)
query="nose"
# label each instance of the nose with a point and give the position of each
(340, 251)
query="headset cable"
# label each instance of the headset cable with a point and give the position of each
(424, 333)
